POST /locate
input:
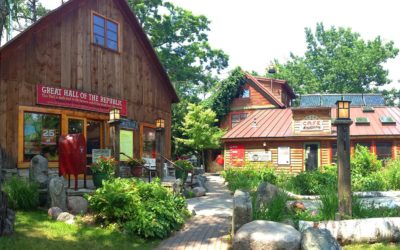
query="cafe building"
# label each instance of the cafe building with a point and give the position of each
(65, 73)
(303, 138)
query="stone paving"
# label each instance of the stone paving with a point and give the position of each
(209, 228)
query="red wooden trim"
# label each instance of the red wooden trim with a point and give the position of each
(330, 153)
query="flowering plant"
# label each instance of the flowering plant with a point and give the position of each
(103, 165)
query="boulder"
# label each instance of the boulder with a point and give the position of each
(297, 205)
(242, 209)
(360, 230)
(265, 193)
(177, 186)
(58, 193)
(66, 217)
(39, 171)
(199, 191)
(54, 212)
(9, 222)
(315, 239)
(77, 205)
(260, 234)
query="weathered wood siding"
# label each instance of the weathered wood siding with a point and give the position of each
(60, 54)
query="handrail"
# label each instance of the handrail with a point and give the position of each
(165, 158)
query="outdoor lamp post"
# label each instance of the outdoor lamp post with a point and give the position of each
(343, 122)
(160, 128)
(114, 122)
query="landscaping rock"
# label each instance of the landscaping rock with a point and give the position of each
(316, 239)
(261, 234)
(54, 212)
(177, 186)
(58, 193)
(297, 205)
(38, 171)
(77, 205)
(360, 230)
(265, 193)
(66, 217)
(199, 191)
(7, 216)
(242, 210)
(9, 223)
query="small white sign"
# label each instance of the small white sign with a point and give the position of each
(311, 125)
(260, 156)
(150, 162)
(283, 155)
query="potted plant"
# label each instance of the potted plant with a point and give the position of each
(102, 169)
(136, 165)
(182, 168)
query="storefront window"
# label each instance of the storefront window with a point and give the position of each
(384, 150)
(41, 134)
(149, 142)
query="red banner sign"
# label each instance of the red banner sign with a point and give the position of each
(69, 98)
(237, 155)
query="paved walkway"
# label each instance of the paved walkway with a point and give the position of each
(209, 228)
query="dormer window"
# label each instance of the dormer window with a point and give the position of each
(105, 32)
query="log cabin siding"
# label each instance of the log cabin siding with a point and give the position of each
(59, 52)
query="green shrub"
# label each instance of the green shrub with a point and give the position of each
(144, 209)
(375, 181)
(392, 174)
(313, 182)
(363, 162)
(22, 194)
(329, 203)
(248, 177)
(276, 210)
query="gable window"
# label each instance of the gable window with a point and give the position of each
(236, 118)
(245, 93)
(105, 32)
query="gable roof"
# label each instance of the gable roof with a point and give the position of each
(264, 91)
(277, 123)
(135, 25)
(289, 89)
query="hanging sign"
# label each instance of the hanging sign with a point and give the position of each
(129, 124)
(283, 155)
(237, 155)
(69, 98)
(311, 125)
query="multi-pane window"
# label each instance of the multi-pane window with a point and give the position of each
(41, 134)
(105, 32)
(245, 93)
(384, 150)
(236, 118)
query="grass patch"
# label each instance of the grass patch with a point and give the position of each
(376, 246)
(34, 230)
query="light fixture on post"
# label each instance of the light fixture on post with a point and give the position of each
(115, 120)
(115, 115)
(160, 138)
(160, 123)
(343, 110)
(342, 123)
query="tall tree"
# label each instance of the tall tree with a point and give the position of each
(338, 60)
(200, 129)
(181, 41)
(30, 12)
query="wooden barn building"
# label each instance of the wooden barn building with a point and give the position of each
(264, 128)
(68, 70)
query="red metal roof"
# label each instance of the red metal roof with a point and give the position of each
(277, 123)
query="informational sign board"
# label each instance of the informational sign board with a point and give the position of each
(150, 162)
(126, 144)
(49, 137)
(69, 98)
(237, 155)
(129, 124)
(259, 156)
(283, 155)
(97, 153)
(311, 125)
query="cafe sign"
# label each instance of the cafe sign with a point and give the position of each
(69, 98)
(311, 125)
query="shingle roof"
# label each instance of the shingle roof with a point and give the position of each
(277, 123)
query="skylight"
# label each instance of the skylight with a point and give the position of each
(368, 109)
(387, 120)
(362, 121)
